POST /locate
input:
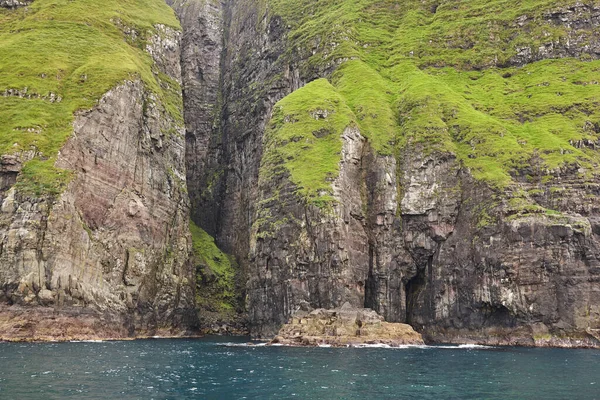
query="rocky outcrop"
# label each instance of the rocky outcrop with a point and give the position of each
(109, 256)
(303, 256)
(15, 3)
(509, 279)
(579, 19)
(345, 327)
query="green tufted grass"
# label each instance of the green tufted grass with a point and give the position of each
(215, 273)
(77, 50)
(304, 133)
(436, 74)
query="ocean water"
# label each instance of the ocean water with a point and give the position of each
(214, 369)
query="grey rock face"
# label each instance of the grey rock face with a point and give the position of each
(201, 51)
(580, 19)
(529, 279)
(229, 91)
(313, 259)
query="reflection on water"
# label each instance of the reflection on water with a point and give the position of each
(215, 369)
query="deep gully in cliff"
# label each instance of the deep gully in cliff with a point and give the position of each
(204, 63)
(207, 209)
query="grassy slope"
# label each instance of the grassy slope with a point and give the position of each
(77, 50)
(215, 273)
(305, 130)
(423, 74)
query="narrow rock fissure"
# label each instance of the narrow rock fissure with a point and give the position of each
(371, 284)
(218, 126)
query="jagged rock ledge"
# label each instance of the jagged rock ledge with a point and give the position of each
(345, 326)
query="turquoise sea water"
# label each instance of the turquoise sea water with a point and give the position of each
(212, 369)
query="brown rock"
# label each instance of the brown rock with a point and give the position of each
(345, 326)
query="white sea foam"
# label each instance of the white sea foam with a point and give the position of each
(422, 346)
(87, 341)
(370, 346)
(231, 344)
(474, 346)
(465, 346)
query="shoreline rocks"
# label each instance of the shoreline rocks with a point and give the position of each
(47, 324)
(345, 326)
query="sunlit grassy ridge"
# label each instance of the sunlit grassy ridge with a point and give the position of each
(75, 51)
(437, 74)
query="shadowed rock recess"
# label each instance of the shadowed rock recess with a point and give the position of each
(435, 161)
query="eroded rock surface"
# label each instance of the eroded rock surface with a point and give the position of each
(14, 3)
(345, 326)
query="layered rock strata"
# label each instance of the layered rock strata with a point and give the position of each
(108, 257)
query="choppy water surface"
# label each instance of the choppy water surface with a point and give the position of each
(212, 369)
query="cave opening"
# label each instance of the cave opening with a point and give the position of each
(497, 315)
(413, 289)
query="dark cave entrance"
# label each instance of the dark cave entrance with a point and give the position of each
(414, 289)
(497, 315)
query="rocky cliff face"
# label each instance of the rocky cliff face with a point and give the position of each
(445, 179)
(107, 255)
(233, 74)
(433, 161)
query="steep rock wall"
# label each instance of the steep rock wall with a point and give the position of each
(107, 256)
(303, 257)
(459, 195)
(201, 50)
(233, 74)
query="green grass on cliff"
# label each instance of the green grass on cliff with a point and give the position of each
(75, 50)
(304, 133)
(215, 273)
(435, 75)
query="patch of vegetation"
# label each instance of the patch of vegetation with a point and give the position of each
(215, 274)
(304, 134)
(39, 177)
(438, 74)
(61, 56)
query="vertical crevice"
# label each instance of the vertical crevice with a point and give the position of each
(221, 118)
(371, 283)
(203, 49)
